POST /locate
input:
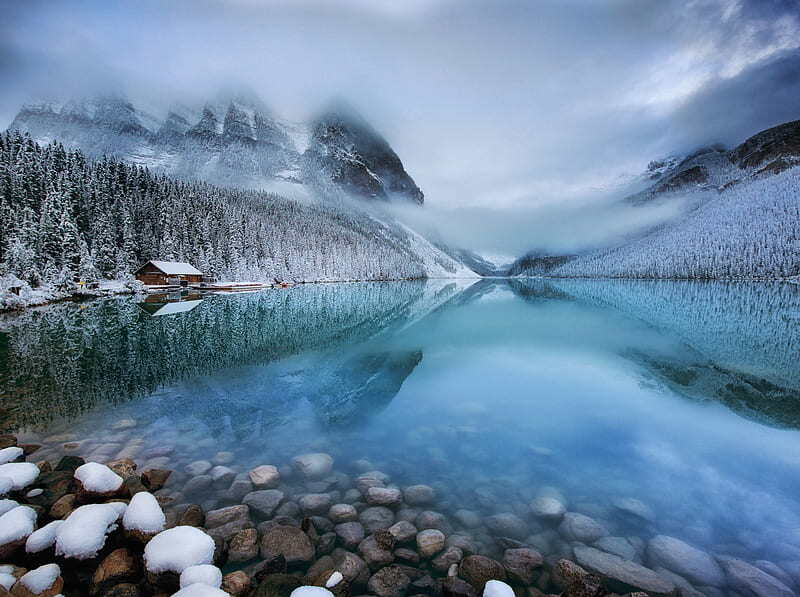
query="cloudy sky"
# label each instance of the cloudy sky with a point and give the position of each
(516, 118)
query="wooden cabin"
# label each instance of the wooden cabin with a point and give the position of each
(163, 273)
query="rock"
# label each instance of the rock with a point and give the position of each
(350, 533)
(374, 553)
(452, 586)
(407, 555)
(339, 513)
(352, 567)
(238, 514)
(120, 566)
(376, 518)
(429, 519)
(155, 478)
(124, 467)
(468, 518)
(288, 541)
(521, 564)
(751, 581)
(445, 559)
(236, 584)
(49, 575)
(277, 585)
(774, 570)
(619, 546)
(389, 582)
(463, 542)
(623, 576)
(223, 476)
(264, 502)
(193, 516)
(693, 564)
(125, 589)
(685, 587)
(243, 546)
(384, 496)
(578, 527)
(313, 466)
(326, 543)
(315, 503)
(507, 525)
(223, 458)
(265, 476)
(634, 508)
(430, 542)
(548, 508)
(63, 506)
(70, 463)
(199, 467)
(403, 531)
(419, 495)
(198, 484)
(476, 570)
(578, 582)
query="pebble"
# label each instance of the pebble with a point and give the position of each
(430, 542)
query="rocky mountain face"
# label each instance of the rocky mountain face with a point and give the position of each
(232, 141)
(716, 168)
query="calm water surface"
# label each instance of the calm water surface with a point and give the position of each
(683, 395)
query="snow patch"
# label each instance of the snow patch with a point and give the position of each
(144, 514)
(7, 580)
(17, 524)
(42, 578)
(21, 474)
(7, 505)
(334, 580)
(200, 590)
(43, 538)
(98, 478)
(178, 548)
(204, 574)
(10, 454)
(84, 531)
(497, 588)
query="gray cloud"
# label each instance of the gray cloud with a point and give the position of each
(518, 111)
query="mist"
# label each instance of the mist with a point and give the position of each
(518, 120)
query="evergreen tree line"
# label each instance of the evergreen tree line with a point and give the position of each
(66, 218)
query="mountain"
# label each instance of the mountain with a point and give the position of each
(233, 140)
(739, 217)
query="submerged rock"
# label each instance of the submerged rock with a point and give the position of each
(623, 576)
(287, 541)
(430, 542)
(695, 565)
(578, 527)
(476, 570)
(749, 580)
(390, 581)
(313, 466)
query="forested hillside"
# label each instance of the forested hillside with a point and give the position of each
(67, 218)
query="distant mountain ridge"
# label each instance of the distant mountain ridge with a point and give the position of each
(739, 218)
(234, 141)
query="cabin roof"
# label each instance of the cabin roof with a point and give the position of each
(174, 268)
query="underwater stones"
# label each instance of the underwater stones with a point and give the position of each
(695, 565)
(315, 503)
(287, 541)
(389, 581)
(236, 584)
(619, 546)
(429, 519)
(313, 466)
(403, 531)
(467, 518)
(430, 542)
(445, 559)
(376, 518)
(521, 564)
(264, 502)
(350, 533)
(154, 478)
(634, 509)
(579, 527)
(384, 496)
(353, 568)
(507, 524)
(198, 467)
(375, 553)
(419, 495)
(548, 508)
(464, 542)
(452, 586)
(198, 484)
(339, 513)
(621, 575)
(265, 476)
(476, 570)
(749, 580)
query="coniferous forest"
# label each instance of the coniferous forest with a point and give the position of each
(69, 218)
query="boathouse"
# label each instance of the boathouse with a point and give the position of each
(162, 273)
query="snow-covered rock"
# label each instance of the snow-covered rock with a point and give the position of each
(43, 579)
(200, 590)
(21, 474)
(7, 580)
(334, 579)
(15, 526)
(309, 591)
(6, 485)
(84, 532)
(98, 478)
(204, 574)
(497, 588)
(6, 505)
(178, 548)
(43, 538)
(10, 454)
(144, 514)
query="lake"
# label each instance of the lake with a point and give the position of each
(653, 407)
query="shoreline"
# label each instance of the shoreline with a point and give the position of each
(280, 525)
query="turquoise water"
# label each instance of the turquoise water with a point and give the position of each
(683, 395)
